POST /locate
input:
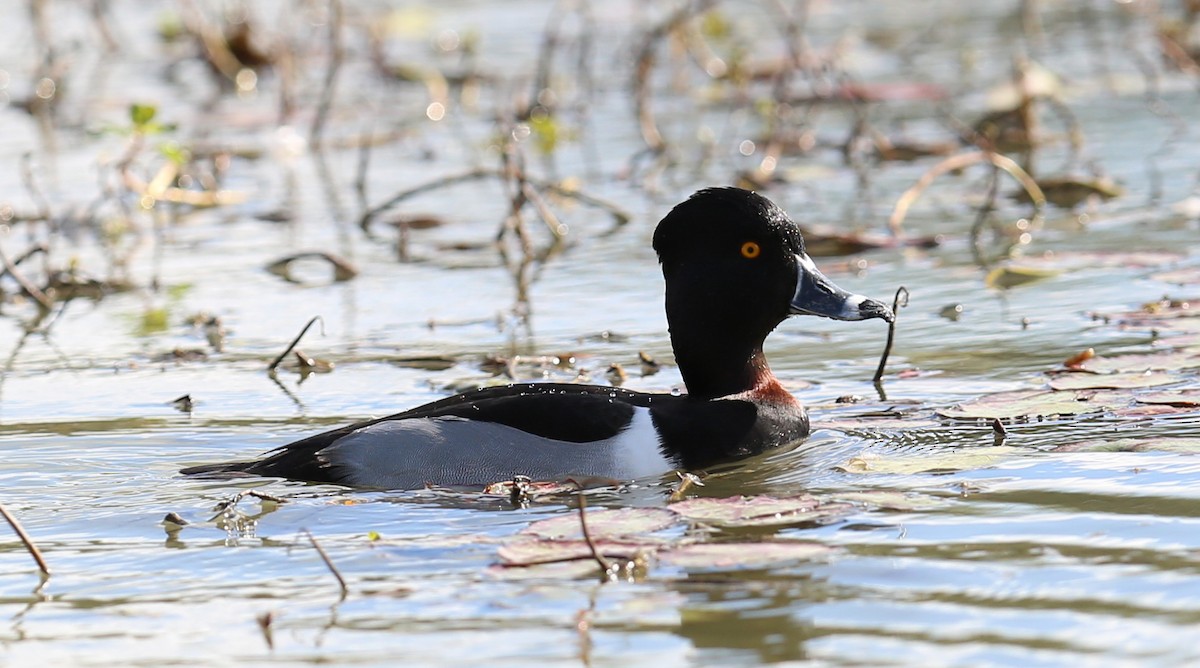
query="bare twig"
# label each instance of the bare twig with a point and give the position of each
(328, 562)
(20, 531)
(32, 290)
(956, 162)
(315, 318)
(981, 217)
(901, 299)
(645, 63)
(471, 175)
(620, 216)
(606, 566)
(331, 71)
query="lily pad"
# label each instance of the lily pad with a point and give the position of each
(1186, 341)
(1162, 361)
(1011, 276)
(742, 555)
(1069, 191)
(886, 499)
(1111, 381)
(861, 424)
(604, 523)
(928, 462)
(1072, 260)
(760, 511)
(1188, 276)
(1171, 397)
(531, 551)
(1181, 444)
(1023, 404)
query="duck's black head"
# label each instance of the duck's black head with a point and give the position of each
(735, 267)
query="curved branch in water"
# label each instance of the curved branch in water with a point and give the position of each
(956, 162)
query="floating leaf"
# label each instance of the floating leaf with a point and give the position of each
(1181, 444)
(1180, 341)
(743, 555)
(1011, 276)
(760, 511)
(1112, 381)
(153, 320)
(1161, 361)
(1028, 404)
(605, 523)
(1073, 260)
(1189, 276)
(886, 499)
(864, 423)
(284, 267)
(1069, 191)
(529, 550)
(928, 462)
(1171, 398)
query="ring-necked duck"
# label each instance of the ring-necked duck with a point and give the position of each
(735, 268)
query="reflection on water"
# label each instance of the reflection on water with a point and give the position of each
(1036, 558)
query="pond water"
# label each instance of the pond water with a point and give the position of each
(1074, 540)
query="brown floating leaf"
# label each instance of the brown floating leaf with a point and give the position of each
(1069, 191)
(760, 511)
(1189, 276)
(1011, 276)
(1073, 260)
(530, 550)
(928, 462)
(1160, 361)
(612, 523)
(886, 499)
(872, 422)
(343, 270)
(742, 555)
(1029, 404)
(826, 241)
(1171, 398)
(1181, 444)
(1112, 381)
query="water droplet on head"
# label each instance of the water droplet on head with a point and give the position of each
(675, 391)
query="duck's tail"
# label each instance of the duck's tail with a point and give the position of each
(224, 470)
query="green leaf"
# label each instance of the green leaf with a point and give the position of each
(175, 153)
(142, 114)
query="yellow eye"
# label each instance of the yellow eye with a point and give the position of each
(750, 250)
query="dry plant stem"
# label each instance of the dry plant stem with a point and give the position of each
(471, 175)
(39, 248)
(956, 162)
(331, 71)
(605, 565)
(215, 46)
(315, 318)
(20, 531)
(645, 63)
(43, 205)
(901, 299)
(619, 215)
(32, 290)
(360, 173)
(981, 217)
(328, 562)
(544, 212)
